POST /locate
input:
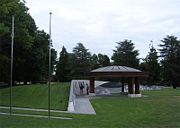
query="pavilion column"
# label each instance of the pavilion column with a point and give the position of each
(137, 87)
(137, 83)
(130, 86)
(92, 86)
(122, 84)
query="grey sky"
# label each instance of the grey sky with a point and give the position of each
(98, 24)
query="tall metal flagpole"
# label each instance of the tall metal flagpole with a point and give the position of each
(11, 77)
(49, 82)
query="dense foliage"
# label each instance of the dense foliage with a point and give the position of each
(30, 44)
(125, 54)
(79, 63)
(151, 65)
(170, 62)
(99, 60)
(62, 66)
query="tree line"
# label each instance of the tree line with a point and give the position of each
(31, 53)
(79, 63)
(162, 65)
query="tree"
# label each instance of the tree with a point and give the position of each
(152, 66)
(81, 61)
(103, 60)
(62, 70)
(30, 44)
(99, 60)
(94, 61)
(39, 58)
(24, 31)
(53, 62)
(125, 54)
(70, 67)
(170, 54)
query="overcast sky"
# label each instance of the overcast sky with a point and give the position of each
(98, 24)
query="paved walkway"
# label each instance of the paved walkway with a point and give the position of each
(33, 109)
(83, 106)
(36, 116)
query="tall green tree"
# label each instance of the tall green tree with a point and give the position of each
(170, 54)
(24, 31)
(94, 61)
(62, 69)
(152, 66)
(103, 60)
(71, 67)
(99, 60)
(81, 61)
(30, 44)
(125, 54)
(39, 57)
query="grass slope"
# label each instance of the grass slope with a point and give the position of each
(36, 96)
(160, 109)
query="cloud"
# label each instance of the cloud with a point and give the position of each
(100, 23)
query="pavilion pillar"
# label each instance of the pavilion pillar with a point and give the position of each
(137, 83)
(130, 86)
(92, 86)
(122, 84)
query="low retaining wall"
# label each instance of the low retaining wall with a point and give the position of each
(75, 91)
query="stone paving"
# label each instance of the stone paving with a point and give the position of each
(36, 116)
(83, 105)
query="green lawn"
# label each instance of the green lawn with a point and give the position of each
(35, 96)
(159, 109)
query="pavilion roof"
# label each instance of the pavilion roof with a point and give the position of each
(117, 71)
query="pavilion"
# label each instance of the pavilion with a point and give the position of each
(121, 72)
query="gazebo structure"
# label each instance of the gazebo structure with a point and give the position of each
(121, 72)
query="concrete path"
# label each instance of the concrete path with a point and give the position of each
(83, 106)
(36, 116)
(33, 109)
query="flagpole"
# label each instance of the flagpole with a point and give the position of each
(11, 74)
(49, 80)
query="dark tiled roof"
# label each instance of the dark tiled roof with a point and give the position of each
(116, 69)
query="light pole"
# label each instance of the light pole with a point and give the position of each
(49, 81)
(11, 74)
